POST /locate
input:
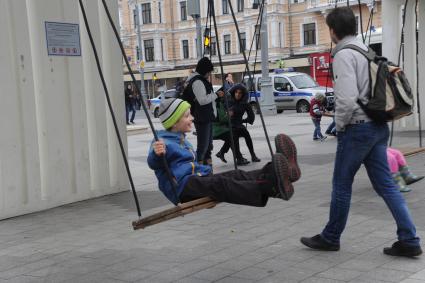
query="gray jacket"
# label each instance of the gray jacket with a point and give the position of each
(351, 83)
(200, 91)
(201, 94)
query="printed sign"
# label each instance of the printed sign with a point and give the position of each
(63, 39)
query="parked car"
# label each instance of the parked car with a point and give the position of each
(153, 103)
(291, 90)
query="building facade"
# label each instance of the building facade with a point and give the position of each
(296, 28)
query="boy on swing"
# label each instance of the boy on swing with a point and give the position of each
(194, 181)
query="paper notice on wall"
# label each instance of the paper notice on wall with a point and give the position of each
(63, 39)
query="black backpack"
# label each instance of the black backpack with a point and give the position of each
(390, 94)
(187, 93)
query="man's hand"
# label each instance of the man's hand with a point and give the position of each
(159, 147)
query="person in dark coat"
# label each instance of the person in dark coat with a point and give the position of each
(238, 108)
(130, 99)
(221, 129)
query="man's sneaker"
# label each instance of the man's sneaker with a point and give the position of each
(323, 138)
(286, 146)
(400, 249)
(281, 174)
(318, 243)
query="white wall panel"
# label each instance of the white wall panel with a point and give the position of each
(57, 142)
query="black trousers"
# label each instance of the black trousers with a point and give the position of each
(237, 133)
(236, 186)
(228, 144)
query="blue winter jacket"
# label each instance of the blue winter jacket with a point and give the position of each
(181, 159)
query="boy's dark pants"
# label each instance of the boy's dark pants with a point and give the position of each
(236, 186)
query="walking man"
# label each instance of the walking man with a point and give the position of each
(129, 104)
(360, 141)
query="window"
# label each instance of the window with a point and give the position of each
(240, 5)
(185, 44)
(303, 81)
(149, 50)
(227, 46)
(243, 42)
(281, 84)
(298, 1)
(160, 12)
(309, 34)
(196, 47)
(259, 84)
(146, 13)
(257, 37)
(213, 46)
(162, 50)
(135, 18)
(183, 11)
(280, 35)
(225, 7)
(357, 25)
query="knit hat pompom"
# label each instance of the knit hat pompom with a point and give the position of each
(204, 66)
(171, 110)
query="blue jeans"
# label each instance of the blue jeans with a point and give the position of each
(331, 129)
(365, 144)
(204, 141)
(317, 134)
(130, 108)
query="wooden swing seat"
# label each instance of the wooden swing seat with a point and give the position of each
(179, 210)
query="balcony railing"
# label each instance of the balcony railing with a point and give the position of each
(332, 2)
(326, 4)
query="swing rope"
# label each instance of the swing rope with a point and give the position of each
(83, 11)
(400, 59)
(170, 177)
(226, 99)
(418, 105)
(250, 75)
(255, 39)
(172, 181)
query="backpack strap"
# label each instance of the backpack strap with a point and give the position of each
(369, 54)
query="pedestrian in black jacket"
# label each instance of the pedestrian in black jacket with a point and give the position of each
(238, 107)
(129, 104)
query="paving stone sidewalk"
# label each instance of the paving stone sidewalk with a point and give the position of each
(92, 241)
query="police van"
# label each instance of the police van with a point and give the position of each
(291, 90)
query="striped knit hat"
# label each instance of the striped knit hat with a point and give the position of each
(171, 110)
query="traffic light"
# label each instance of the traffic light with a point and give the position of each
(207, 41)
(207, 37)
(154, 77)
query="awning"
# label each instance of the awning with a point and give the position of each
(238, 68)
